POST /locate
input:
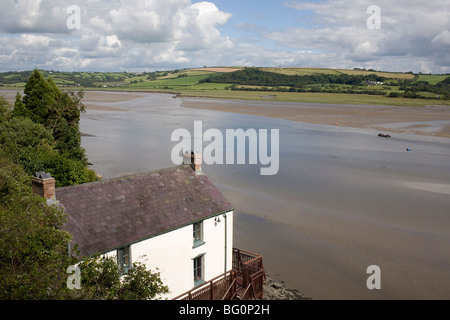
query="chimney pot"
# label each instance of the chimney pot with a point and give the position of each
(194, 160)
(44, 185)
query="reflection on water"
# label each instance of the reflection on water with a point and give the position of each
(336, 206)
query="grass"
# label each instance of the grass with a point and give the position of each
(432, 78)
(306, 97)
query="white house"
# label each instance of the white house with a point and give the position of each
(174, 220)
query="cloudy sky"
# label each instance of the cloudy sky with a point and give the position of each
(148, 35)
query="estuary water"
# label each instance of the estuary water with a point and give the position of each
(343, 199)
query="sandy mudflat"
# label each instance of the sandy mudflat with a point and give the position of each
(90, 106)
(93, 100)
(429, 120)
(109, 97)
(99, 100)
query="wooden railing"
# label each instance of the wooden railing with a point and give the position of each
(215, 289)
(244, 282)
(249, 267)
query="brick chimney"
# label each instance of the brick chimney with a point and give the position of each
(194, 160)
(44, 185)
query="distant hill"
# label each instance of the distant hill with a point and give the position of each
(356, 71)
(228, 81)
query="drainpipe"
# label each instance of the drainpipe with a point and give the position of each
(226, 243)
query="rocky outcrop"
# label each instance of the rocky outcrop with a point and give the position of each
(274, 290)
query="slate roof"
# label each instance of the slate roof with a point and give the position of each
(109, 214)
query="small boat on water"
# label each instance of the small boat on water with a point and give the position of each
(384, 135)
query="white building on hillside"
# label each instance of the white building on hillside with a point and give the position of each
(174, 220)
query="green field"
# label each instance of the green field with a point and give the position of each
(432, 79)
(308, 71)
(191, 82)
(326, 98)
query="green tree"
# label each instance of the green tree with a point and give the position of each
(39, 96)
(19, 109)
(58, 111)
(33, 247)
(32, 146)
(141, 284)
(66, 171)
(5, 109)
(26, 143)
(34, 252)
(22, 132)
(102, 279)
(63, 120)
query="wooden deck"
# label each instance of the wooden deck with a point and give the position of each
(244, 282)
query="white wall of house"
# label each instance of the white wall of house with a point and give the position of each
(172, 253)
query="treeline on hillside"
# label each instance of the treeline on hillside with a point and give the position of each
(441, 88)
(14, 77)
(82, 79)
(314, 89)
(257, 77)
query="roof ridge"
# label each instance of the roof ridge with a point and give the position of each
(133, 175)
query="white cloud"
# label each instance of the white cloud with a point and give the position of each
(198, 28)
(118, 34)
(415, 31)
(34, 16)
(153, 34)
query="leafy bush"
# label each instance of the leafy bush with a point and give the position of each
(102, 279)
(66, 171)
(395, 94)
